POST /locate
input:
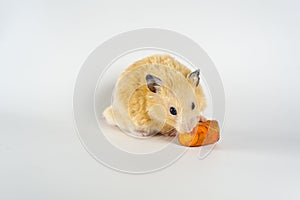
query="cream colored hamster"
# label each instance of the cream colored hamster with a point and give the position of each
(157, 95)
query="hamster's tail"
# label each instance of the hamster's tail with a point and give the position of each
(108, 115)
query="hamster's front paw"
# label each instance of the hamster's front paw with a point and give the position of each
(202, 119)
(171, 133)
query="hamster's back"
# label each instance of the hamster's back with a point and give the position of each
(165, 60)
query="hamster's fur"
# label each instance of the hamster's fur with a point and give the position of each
(156, 94)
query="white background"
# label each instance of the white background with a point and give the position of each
(255, 47)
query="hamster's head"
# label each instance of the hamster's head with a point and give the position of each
(181, 96)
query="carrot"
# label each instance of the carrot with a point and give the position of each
(203, 134)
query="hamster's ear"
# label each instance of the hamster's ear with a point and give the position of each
(195, 77)
(153, 83)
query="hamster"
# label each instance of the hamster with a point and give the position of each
(157, 95)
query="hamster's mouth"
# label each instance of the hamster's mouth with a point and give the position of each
(185, 130)
(187, 127)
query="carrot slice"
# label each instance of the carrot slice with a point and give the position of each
(203, 134)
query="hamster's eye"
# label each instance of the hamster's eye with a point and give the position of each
(173, 111)
(193, 106)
